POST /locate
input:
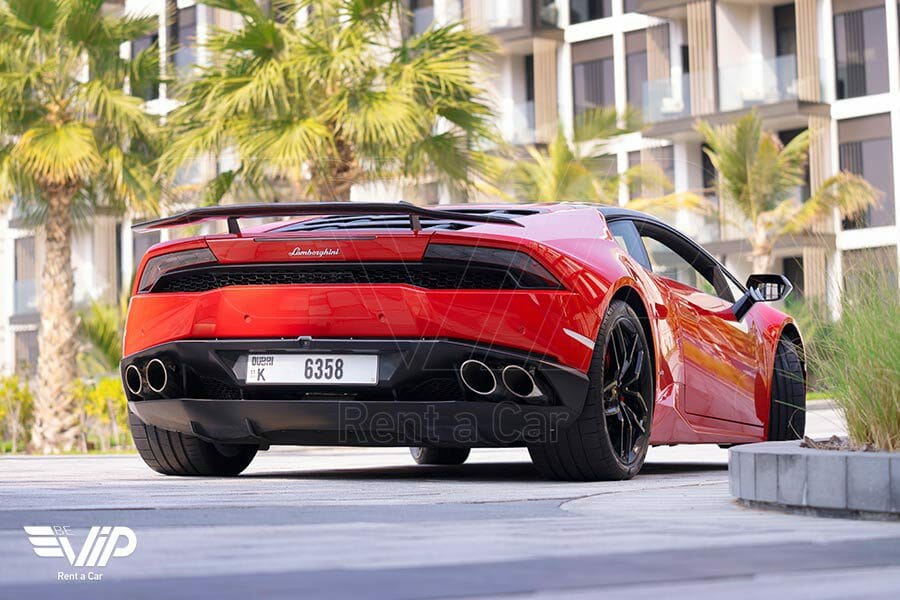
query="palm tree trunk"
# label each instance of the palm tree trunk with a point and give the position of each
(15, 432)
(55, 425)
(114, 424)
(338, 175)
(761, 256)
(762, 263)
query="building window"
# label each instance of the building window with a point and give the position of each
(865, 149)
(636, 67)
(860, 48)
(860, 266)
(422, 15)
(183, 38)
(785, 30)
(588, 10)
(147, 90)
(594, 84)
(792, 268)
(26, 352)
(636, 75)
(630, 6)
(25, 277)
(785, 138)
(871, 159)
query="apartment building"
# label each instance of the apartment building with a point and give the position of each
(832, 66)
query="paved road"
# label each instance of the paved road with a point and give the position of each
(369, 524)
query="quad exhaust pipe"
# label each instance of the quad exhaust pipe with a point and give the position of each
(480, 379)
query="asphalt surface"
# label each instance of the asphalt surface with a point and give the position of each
(361, 523)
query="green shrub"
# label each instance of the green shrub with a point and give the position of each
(815, 326)
(103, 414)
(859, 361)
(15, 413)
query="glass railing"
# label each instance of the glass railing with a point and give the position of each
(24, 296)
(666, 99)
(521, 128)
(759, 82)
(547, 13)
(504, 14)
(708, 227)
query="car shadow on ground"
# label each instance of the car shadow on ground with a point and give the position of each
(509, 472)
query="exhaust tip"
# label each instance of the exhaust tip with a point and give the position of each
(157, 375)
(478, 377)
(133, 380)
(519, 382)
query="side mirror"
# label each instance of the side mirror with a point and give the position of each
(762, 288)
(769, 288)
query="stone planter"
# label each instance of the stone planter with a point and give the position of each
(783, 474)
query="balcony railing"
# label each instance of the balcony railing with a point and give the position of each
(24, 296)
(759, 82)
(547, 13)
(504, 14)
(522, 125)
(665, 99)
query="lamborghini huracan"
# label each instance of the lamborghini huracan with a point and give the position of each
(584, 333)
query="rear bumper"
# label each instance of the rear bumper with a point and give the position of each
(353, 423)
(418, 398)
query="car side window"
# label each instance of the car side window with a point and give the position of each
(627, 237)
(679, 260)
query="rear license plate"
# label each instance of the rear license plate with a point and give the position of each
(358, 369)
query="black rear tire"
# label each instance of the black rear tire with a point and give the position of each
(173, 453)
(787, 412)
(593, 448)
(439, 456)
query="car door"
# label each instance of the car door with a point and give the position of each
(720, 353)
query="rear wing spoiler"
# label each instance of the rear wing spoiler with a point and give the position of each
(233, 212)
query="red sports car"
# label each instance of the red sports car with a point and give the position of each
(586, 334)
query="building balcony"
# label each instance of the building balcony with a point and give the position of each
(666, 99)
(759, 82)
(504, 14)
(513, 21)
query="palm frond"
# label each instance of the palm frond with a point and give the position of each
(846, 192)
(603, 123)
(671, 202)
(100, 327)
(60, 154)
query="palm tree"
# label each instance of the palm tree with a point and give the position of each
(71, 140)
(585, 170)
(334, 98)
(759, 177)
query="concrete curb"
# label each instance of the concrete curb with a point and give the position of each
(783, 473)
